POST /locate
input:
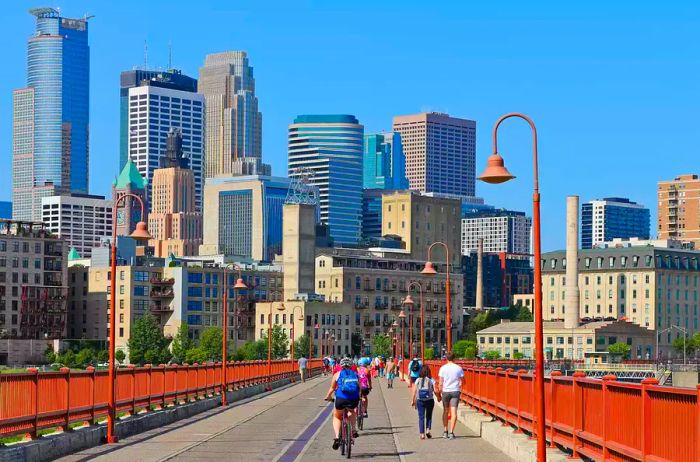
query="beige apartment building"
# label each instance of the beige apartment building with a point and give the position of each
(653, 287)
(421, 220)
(335, 321)
(679, 209)
(511, 338)
(375, 284)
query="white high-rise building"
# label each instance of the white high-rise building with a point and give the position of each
(502, 231)
(81, 220)
(153, 111)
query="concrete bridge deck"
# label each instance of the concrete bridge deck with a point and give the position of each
(294, 424)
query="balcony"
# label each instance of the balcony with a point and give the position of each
(160, 294)
(369, 323)
(160, 308)
(160, 281)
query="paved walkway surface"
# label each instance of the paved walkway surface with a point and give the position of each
(294, 424)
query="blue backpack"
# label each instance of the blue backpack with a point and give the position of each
(348, 384)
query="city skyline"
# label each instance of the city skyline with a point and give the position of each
(622, 62)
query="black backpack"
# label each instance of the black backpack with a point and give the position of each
(415, 366)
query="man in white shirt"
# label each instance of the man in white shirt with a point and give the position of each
(302, 367)
(451, 376)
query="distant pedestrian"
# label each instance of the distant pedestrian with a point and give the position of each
(414, 369)
(451, 376)
(390, 373)
(424, 401)
(302, 367)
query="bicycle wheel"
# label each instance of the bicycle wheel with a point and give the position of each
(348, 438)
(360, 414)
(343, 436)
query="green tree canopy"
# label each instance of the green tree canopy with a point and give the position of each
(280, 343)
(492, 355)
(523, 314)
(301, 347)
(465, 349)
(381, 345)
(182, 343)
(252, 351)
(690, 345)
(119, 355)
(147, 343)
(619, 349)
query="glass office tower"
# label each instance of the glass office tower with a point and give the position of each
(51, 115)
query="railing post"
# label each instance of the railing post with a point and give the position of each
(506, 422)
(519, 378)
(578, 414)
(132, 369)
(92, 392)
(552, 406)
(501, 392)
(606, 403)
(66, 371)
(697, 423)
(150, 384)
(533, 414)
(34, 432)
(647, 434)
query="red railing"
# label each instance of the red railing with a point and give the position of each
(32, 401)
(598, 419)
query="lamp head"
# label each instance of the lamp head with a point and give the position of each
(395, 324)
(402, 315)
(408, 301)
(141, 232)
(281, 307)
(316, 327)
(495, 172)
(429, 269)
(240, 284)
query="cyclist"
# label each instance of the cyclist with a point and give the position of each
(365, 377)
(346, 385)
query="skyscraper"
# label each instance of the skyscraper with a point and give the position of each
(331, 147)
(155, 105)
(384, 163)
(440, 152)
(129, 79)
(173, 222)
(605, 219)
(50, 130)
(501, 230)
(679, 209)
(233, 121)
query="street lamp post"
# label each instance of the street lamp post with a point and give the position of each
(269, 340)
(495, 173)
(685, 335)
(409, 301)
(429, 270)
(224, 323)
(139, 234)
(301, 318)
(402, 317)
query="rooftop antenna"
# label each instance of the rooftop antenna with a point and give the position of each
(170, 54)
(145, 55)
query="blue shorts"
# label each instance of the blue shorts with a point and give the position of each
(390, 376)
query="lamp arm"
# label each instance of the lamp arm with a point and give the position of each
(534, 140)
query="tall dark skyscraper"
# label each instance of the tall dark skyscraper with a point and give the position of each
(50, 130)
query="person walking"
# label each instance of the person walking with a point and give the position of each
(302, 367)
(390, 373)
(414, 369)
(423, 400)
(450, 386)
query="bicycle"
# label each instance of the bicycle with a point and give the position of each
(360, 414)
(346, 439)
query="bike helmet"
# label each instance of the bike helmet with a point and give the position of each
(364, 362)
(346, 362)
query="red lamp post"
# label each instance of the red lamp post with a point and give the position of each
(409, 301)
(301, 318)
(224, 323)
(429, 270)
(402, 316)
(139, 234)
(495, 173)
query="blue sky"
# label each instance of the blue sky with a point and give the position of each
(612, 86)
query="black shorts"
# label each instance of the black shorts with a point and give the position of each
(365, 391)
(341, 403)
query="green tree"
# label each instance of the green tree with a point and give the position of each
(619, 349)
(85, 357)
(280, 343)
(182, 343)
(67, 359)
(251, 351)
(523, 314)
(690, 345)
(147, 343)
(429, 353)
(102, 356)
(50, 355)
(301, 347)
(481, 321)
(381, 345)
(211, 344)
(465, 349)
(518, 355)
(119, 355)
(492, 355)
